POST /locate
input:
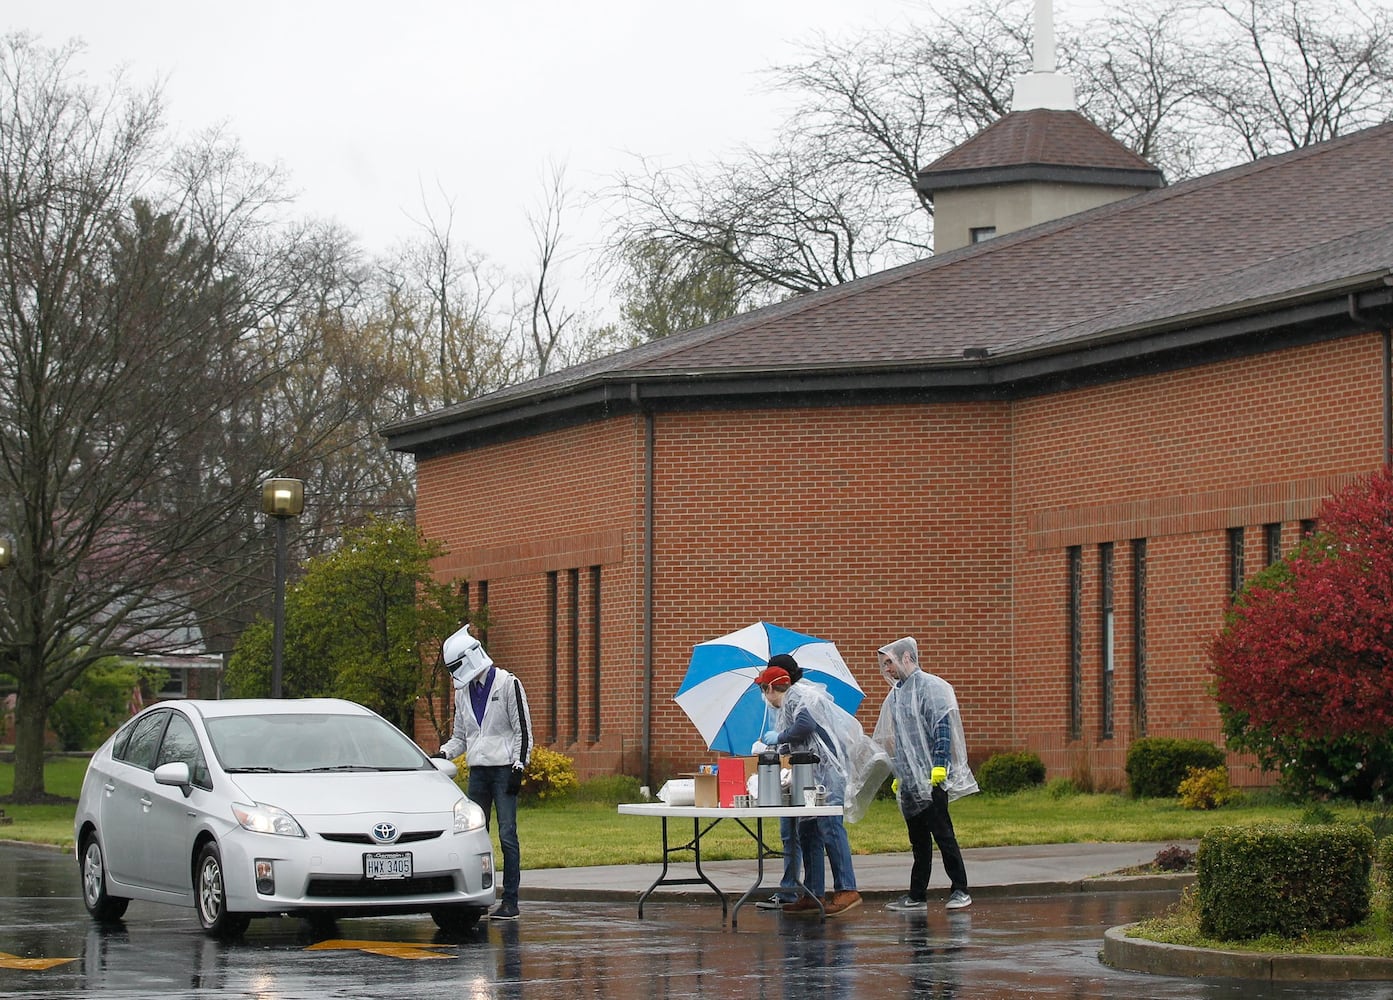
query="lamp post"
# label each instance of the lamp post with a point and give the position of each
(281, 499)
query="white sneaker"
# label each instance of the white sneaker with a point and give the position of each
(906, 904)
(958, 900)
(774, 902)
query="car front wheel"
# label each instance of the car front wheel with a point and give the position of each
(210, 896)
(456, 919)
(102, 905)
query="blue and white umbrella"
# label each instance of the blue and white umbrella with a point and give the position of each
(719, 694)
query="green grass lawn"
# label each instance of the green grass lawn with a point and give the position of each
(574, 833)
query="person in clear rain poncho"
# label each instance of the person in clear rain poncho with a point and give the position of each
(921, 728)
(850, 767)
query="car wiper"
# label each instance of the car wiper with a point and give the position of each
(337, 767)
(253, 770)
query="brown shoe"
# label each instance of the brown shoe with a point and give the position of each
(840, 902)
(802, 906)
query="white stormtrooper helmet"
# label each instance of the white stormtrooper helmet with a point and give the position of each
(465, 657)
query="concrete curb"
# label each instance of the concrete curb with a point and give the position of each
(1139, 955)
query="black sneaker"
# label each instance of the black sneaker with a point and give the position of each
(907, 904)
(504, 911)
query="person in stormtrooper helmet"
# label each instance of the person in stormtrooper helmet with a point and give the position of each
(493, 731)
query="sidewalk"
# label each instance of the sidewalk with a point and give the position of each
(992, 871)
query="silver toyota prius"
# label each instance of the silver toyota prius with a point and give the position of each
(245, 808)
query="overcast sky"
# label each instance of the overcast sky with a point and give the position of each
(366, 103)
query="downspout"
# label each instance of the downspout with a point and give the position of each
(648, 463)
(1388, 396)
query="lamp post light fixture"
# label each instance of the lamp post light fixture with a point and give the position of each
(7, 552)
(281, 499)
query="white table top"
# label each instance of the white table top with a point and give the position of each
(717, 812)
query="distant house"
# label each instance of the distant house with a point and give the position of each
(1051, 455)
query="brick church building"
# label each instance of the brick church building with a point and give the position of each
(1051, 452)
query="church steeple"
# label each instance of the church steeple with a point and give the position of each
(1045, 87)
(1041, 162)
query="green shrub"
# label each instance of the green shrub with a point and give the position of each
(1156, 764)
(1285, 880)
(1004, 773)
(1206, 788)
(1384, 859)
(549, 776)
(611, 789)
(1062, 788)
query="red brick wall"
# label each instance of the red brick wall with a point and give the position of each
(948, 522)
(1176, 458)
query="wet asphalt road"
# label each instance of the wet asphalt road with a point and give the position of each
(1040, 946)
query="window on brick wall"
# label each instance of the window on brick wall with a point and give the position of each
(484, 603)
(1075, 569)
(595, 653)
(1107, 645)
(1271, 544)
(1235, 562)
(553, 667)
(1139, 634)
(1308, 528)
(573, 585)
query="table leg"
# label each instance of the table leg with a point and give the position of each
(762, 851)
(694, 845)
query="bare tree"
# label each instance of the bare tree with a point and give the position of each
(1191, 85)
(548, 319)
(135, 287)
(1290, 73)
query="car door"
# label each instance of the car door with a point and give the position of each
(126, 799)
(173, 817)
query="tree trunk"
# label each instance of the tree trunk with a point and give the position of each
(31, 720)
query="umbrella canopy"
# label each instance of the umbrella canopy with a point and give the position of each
(719, 694)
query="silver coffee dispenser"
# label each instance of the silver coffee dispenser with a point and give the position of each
(770, 794)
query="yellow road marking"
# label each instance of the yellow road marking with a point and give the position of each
(15, 962)
(389, 949)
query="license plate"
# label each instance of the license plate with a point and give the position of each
(387, 866)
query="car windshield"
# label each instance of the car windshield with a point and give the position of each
(312, 742)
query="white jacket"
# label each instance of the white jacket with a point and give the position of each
(504, 736)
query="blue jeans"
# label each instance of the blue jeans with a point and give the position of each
(793, 857)
(488, 787)
(838, 847)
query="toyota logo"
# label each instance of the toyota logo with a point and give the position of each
(384, 833)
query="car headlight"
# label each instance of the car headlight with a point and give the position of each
(261, 818)
(468, 816)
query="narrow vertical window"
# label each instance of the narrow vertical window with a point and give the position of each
(573, 583)
(1075, 642)
(483, 605)
(1139, 634)
(1235, 561)
(464, 593)
(595, 653)
(1308, 528)
(1106, 640)
(1271, 544)
(553, 613)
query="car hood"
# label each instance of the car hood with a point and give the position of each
(352, 793)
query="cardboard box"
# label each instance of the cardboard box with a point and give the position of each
(707, 793)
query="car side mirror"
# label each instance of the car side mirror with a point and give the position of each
(175, 773)
(446, 767)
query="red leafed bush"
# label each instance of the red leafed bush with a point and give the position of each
(1305, 661)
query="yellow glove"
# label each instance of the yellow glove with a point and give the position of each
(939, 775)
(895, 785)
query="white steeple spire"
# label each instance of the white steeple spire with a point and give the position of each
(1044, 88)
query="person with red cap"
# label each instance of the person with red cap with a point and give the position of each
(808, 720)
(788, 829)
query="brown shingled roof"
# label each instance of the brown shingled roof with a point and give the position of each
(1243, 238)
(1058, 138)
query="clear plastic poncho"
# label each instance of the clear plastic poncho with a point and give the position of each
(850, 764)
(916, 708)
